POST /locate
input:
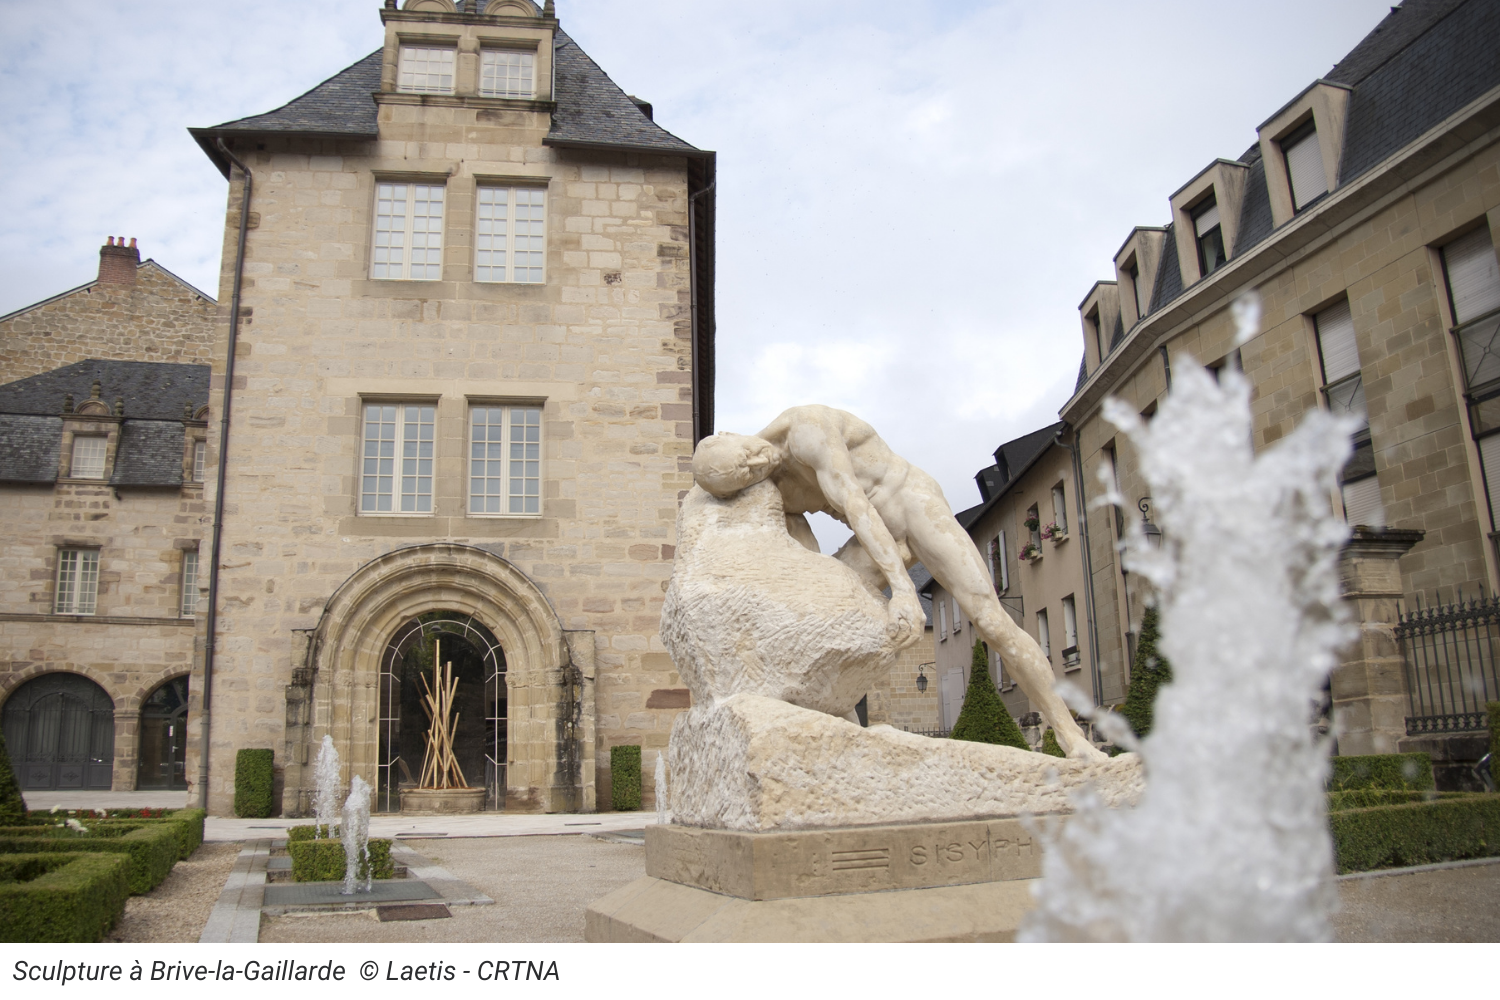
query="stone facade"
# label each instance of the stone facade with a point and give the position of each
(1374, 241)
(156, 317)
(312, 587)
(142, 516)
(1031, 476)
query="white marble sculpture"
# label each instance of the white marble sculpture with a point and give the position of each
(777, 643)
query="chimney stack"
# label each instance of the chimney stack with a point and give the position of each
(118, 262)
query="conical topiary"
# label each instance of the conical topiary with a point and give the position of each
(12, 805)
(1148, 672)
(1050, 745)
(984, 717)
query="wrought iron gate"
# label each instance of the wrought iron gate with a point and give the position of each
(401, 743)
(1450, 653)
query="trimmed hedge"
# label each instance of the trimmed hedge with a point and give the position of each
(984, 717)
(625, 777)
(309, 831)
(1050, 746)
(1493, 710)
(152, 847)
(254, 774)
(324, 860)
(189, 822)
(1416, 833)
(1396, 771)
(61, 896)
(12, 805)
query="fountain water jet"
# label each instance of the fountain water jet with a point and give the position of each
(1230, 840)
(354, 830)
(326, 802)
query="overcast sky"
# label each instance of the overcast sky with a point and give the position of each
(913, 196)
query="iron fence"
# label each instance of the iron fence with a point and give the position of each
(938, 734)
(1450, 653)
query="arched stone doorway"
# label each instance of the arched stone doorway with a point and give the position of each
(479, 743)
(60, 732)
(161, 760)
(548, 762)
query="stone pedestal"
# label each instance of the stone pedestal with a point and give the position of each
(441, 801)
(1369, 684)
(962, 881)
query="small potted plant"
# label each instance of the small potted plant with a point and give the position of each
(1053, 533)
(1032, 523)
(1031, 553)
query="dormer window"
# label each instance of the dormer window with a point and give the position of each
(88, 457)
(1304, 166)
(1133, 279)
(503, 73)
(1209, 235)
(425, 70)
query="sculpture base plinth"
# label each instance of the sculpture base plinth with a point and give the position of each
(442, 801)
(963, 881)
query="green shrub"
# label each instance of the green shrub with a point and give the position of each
(1148, 672)
(1416, 833)
(152, 847)
(189, 821)
(984, 717)
(1050, 746)
(1493, 709)
(309, 831)
(625, 777)
(324, 860)
(61, 896)
(254, 772)
(12, 805)
(1364, 798)
(1395, 771)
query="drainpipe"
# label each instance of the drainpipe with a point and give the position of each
(1088, 563)
(693, 304)
(218, 531)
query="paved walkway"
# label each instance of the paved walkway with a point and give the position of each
(162, 799)
(1453, 902)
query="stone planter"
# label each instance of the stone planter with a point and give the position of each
(441, 801)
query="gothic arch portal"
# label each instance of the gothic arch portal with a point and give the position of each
(545, 738)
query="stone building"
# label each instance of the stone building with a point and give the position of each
(1024, 526)
(1366, 216)
(133, 311)
(102, 448)
(473, 352)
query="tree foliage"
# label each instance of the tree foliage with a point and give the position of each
(984, 717)
(1050, 746)
(1148, 672)
(12, 805)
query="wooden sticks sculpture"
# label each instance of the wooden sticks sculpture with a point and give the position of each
(439, 766)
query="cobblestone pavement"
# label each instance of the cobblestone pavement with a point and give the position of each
(1452, 904)
(177, 909)
(541, 887)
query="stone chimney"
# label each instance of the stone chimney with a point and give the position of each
(118, 262)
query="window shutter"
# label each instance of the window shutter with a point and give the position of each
(1209, 219)
(1473, 277)
(1336, 342)
(1362, 502)
(1004, 576)
(1489, 457)
(1304, 166)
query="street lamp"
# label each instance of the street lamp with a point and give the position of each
(922, 677)
(1151, 531)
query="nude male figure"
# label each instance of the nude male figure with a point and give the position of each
(822, 459)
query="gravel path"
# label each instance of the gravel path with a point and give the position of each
(177, 909)
(1454, 904)
(541, 887)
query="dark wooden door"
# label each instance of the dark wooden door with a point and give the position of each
(60, 731)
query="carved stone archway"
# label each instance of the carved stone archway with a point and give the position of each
(549, 741)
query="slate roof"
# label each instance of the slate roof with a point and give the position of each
(151, 440)
(30, 448)
(1423, 62)
(1012, 460)
(591, 110)
(152, 390)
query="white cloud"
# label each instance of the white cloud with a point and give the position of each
(913, 196)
